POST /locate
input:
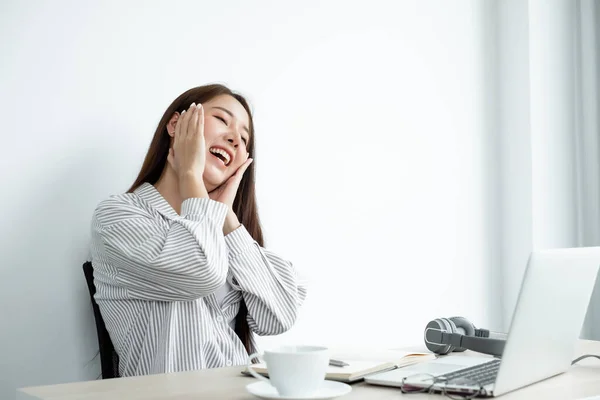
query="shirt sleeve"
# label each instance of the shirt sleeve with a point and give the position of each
(269, 284)
(181, 259)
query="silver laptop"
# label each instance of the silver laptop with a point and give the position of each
(546, 325)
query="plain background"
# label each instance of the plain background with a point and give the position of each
(377, 158)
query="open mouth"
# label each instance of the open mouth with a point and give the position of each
(221, 155)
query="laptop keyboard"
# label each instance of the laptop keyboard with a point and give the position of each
(482, 374)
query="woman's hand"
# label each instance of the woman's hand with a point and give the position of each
(226, 194)
(227, 191)
(187, 156)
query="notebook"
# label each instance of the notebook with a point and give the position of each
(362, 363)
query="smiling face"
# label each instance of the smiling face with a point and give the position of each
(226, 134)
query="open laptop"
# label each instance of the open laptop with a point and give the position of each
(546, 325)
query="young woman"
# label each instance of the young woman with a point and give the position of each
(182, 278)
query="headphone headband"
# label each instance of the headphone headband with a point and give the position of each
(445, 335)
(493, 347)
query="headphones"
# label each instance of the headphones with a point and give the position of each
(456, 334)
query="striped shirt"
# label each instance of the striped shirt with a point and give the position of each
(157, 274)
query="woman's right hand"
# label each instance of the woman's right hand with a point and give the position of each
(187, 156)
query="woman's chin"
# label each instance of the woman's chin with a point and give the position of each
(213, 177)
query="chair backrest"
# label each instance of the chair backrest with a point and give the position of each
(109, 359)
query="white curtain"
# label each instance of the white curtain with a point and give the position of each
(588, 144)
(547, 130)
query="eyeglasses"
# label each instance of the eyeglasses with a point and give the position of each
(452, 394)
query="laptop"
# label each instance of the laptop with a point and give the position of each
(545, 328)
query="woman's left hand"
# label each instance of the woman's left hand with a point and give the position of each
(226, 194)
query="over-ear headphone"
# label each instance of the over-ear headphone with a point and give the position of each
(456, 334)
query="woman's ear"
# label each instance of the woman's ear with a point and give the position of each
(172, 124)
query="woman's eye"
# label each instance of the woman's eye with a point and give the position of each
(221, 119)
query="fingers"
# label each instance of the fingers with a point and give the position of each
(185, 120)
(200, 125)
(193, 122)
(240, 172)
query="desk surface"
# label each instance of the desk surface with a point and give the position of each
(582, 380)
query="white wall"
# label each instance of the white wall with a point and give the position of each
(374, 157)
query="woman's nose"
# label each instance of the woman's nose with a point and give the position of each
(234, 137)
(235, 143)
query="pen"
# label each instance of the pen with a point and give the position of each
(338, 363)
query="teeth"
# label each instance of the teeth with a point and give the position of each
(222, 152)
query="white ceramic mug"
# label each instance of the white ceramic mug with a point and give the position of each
(294, 370)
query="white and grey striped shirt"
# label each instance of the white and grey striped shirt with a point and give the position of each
(157, 274)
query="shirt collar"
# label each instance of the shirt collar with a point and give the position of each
(149, 193)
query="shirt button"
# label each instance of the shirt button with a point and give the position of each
(229, 363)
(219, 318)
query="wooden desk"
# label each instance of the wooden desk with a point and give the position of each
(583, 380)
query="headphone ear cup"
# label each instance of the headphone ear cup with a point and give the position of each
(444, 325)
(463, 324)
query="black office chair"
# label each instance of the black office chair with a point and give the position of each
(109, 359)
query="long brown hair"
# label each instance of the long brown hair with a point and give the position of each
(244, 205)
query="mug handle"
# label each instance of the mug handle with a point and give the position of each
(253, 372)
